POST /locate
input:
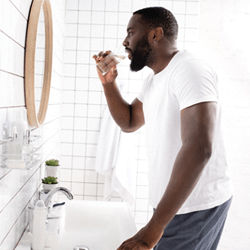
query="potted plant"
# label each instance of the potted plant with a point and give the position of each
(49, 183)
(52, 167)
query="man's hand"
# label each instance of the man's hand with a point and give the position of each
(145, 239)
(110, 76)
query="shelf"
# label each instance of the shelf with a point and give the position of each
(29, 156)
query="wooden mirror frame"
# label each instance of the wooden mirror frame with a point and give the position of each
(34, 119)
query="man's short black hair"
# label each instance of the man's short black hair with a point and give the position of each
(154, 17)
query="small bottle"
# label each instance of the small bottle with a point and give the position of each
(39, 226)
(27, 149)
(22, 125)
(5, 136)
(14, 146)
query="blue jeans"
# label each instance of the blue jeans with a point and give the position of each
(199, 230)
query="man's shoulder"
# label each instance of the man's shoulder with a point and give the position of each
(182, 58)
(192, 63)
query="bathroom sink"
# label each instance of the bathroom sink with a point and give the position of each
(96, 225)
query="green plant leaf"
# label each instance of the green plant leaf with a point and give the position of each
(52, 162)
(50, 180)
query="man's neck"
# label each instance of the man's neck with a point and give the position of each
(162, 60)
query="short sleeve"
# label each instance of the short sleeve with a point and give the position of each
(194, 81)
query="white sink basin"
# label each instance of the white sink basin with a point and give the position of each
(96, 225)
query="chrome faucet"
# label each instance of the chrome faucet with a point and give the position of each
(80, 248)
(63, 190)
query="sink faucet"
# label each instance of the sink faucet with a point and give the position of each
(80, 248)
(63, 190)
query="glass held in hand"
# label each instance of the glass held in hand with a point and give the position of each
(110, 60)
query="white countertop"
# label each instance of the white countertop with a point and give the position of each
(25, 242)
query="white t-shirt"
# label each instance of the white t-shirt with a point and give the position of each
(184, 82)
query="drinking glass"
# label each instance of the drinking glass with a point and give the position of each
(115, 57)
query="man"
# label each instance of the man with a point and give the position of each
(189, 185)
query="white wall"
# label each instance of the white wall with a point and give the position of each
(224, 39)
(18, 187)
(92, 26)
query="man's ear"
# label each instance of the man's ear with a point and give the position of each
(156, 34)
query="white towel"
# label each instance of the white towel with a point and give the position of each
(115, 159)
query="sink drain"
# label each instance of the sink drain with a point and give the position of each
(80, 248)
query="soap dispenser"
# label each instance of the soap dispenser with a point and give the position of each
(39, 226)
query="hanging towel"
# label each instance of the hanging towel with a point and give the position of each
(124, 173)
(115, 159)
(107, 146)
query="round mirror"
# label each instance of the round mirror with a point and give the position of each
(38, 71)
(39, 60)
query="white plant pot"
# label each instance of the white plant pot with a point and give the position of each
(52, 171)
(48, 187)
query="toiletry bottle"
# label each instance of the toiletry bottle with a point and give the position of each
(5, 137)
(14, 146)
(27, 150)
(23, 125)
(39, 226)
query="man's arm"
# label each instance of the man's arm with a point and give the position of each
(197, 129)
(127, 116)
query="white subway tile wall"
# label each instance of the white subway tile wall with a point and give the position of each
(19, 187)
(92, 26)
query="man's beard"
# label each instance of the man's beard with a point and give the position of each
(141, 56)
